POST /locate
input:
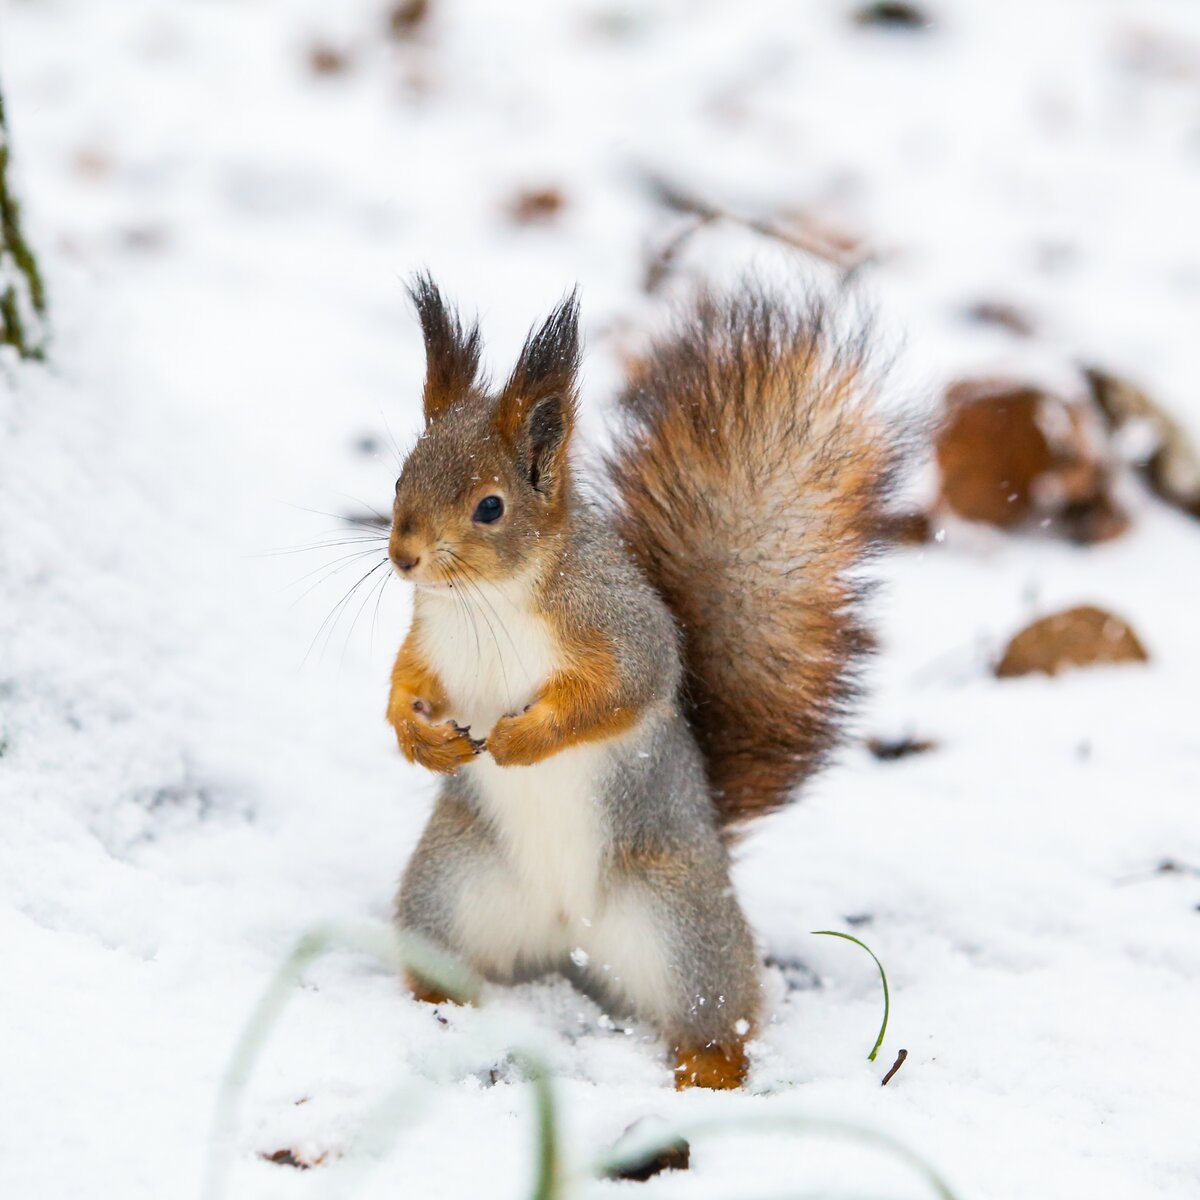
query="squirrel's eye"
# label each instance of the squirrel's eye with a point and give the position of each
(488, 511)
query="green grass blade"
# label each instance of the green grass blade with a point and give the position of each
(887, 1002)
(636, 1149)
(548, 1184)
(401, 952)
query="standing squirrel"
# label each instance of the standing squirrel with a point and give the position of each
(608, 692)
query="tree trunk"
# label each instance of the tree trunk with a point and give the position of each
(22, 295)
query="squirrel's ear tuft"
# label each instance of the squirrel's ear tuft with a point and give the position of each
(536, 410)
(452, 349)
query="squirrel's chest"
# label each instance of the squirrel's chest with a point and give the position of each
(492, 657)
(491, 653)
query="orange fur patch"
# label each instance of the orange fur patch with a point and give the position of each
(721, 1067)
(751, 480)
(440, 747)
(425, 992)
(578, 704)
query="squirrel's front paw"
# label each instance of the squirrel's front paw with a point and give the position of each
(442, 748)
(522, 740)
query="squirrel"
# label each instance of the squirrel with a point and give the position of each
(610, 692)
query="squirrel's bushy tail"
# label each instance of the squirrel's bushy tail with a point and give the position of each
(751, 478)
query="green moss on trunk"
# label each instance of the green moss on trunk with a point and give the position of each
(22, 293)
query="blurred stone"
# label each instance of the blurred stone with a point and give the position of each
(1151, 439)
(676, 1156)
(1011, 454)
(1077, 637)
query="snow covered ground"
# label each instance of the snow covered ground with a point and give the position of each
(194, 770)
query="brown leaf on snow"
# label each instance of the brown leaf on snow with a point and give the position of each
(892, 749)
(536, 205)
(1011, 454)
(324, 59)
(1077, 637)
(1001, 314)
(406, 16)
(287, 1158)
(1166, 456)
(892, 14)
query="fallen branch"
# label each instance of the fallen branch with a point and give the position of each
(894, 1067)
(1168, 866)
(841, 250)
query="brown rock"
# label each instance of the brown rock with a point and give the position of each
(912, 528)
(1077, 637)
(1168, 459)
(1011, 454)
(676, 1155)
(1096, 520)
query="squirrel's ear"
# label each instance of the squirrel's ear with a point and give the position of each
(451, 349)
(536, 410)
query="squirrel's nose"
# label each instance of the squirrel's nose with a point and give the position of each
(406, 563)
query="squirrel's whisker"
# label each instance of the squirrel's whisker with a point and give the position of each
(335, 613)
(330, 544)
(387, 577)
(329, 571)
(375, 587)
(381, 523)
(384, 521)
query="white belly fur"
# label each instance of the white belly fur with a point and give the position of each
(544, 898)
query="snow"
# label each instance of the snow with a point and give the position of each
(190, 779)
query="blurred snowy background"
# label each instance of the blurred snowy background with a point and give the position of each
(226, 197)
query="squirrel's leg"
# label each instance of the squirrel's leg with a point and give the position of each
(674, 945)
(459, 893)
(427, 993)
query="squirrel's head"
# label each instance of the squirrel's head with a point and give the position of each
(487, 485)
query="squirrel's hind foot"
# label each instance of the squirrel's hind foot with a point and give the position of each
(720, 1067)
(427, 993)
